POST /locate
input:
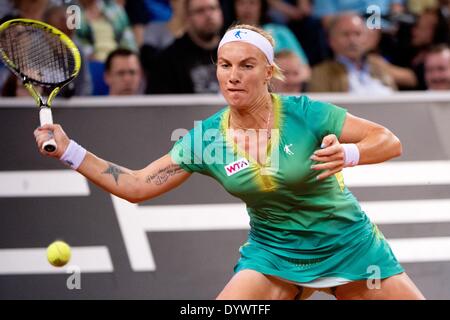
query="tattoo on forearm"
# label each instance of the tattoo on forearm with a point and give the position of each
(115, 171)
(163, 175)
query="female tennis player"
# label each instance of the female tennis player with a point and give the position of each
(308, 231)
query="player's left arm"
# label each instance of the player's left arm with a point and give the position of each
(375, 144)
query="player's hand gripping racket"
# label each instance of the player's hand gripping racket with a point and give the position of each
(41, 56)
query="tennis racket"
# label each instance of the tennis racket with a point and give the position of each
(41, 56)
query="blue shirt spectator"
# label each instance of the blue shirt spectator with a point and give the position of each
(323, 8)
(360, 80)
(350, 70)
(160, 10)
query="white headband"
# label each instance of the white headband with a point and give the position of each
(251, 37)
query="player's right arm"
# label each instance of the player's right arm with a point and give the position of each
(157, 178)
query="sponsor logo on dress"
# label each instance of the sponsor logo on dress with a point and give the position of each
(236, 166)
(287, 149)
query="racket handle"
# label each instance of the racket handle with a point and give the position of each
(45, 116)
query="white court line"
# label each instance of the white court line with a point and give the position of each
(234, 216)
(404, 173)
(48, 183)
(53, 183)
(412, 250)
(408, 211)
(34, 261)
(42, 183)
(193, 217)
(135, 221)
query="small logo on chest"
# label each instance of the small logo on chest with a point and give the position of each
(287, 149)
(236, 166)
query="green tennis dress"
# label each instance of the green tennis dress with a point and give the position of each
(301, 229)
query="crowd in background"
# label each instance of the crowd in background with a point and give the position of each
(133, 47)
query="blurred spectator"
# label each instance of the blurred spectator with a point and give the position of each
(187, 66)
(326, 9)
(4, 74)
(417, 7)
(6, 8)
(437, 68)
(29, 9)
(444, 10)
(307, 28)
(403, 77)
(138, 16)
(159, 10)
(283, 11)
(159, 35)
(144, 12)
(253, 12)
(430, 29)
(13, 87)
(350, 71)
(296, 73)
(82, 84)
(123, 73)
(104, 27)
(443, 4)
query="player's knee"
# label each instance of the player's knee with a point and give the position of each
(284, 291)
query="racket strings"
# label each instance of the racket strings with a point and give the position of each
(37, 54)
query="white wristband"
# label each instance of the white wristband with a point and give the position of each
(351, 154)
(74, 155)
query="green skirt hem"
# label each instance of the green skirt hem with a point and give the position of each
(367, 257)
(283, 275)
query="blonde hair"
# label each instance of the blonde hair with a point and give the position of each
(285, 54)
(277, 72)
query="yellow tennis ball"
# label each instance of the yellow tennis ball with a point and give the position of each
(58, 253)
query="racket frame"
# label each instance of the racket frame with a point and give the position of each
(45, 113)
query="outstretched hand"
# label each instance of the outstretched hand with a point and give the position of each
(55, 131)
(331, 155)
